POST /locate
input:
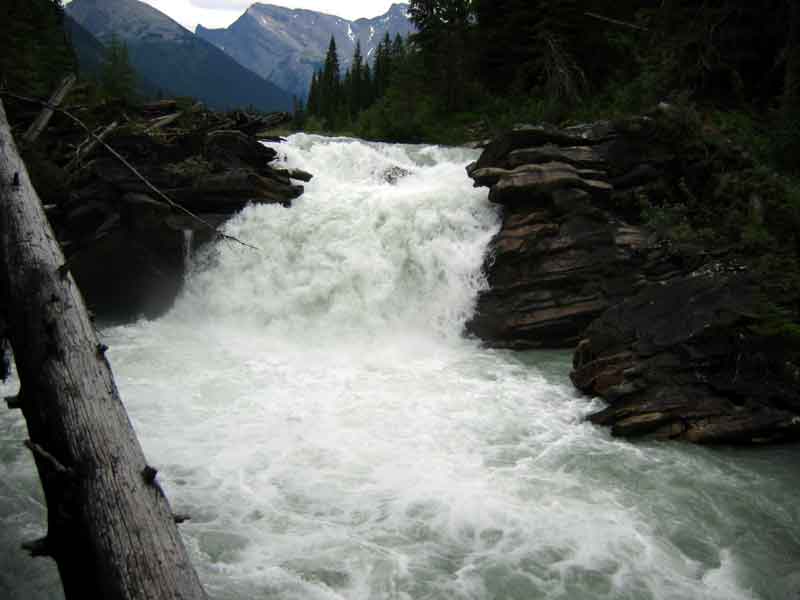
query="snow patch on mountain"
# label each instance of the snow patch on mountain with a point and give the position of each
(286, 45)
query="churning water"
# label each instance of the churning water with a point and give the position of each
(315, 409)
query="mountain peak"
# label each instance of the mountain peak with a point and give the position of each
(286, 45)
(175, 60)
(126, 19)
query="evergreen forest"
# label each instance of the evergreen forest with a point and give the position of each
(479, 66)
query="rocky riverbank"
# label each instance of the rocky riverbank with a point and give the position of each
(126, 231)
(669, 329)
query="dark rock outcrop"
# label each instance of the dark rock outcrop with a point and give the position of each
(125, 243)
(668, 334)
(564, 254)
(680, 361)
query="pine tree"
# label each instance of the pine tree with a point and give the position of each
(383, 66)
(398, 51)
(444, 31)
(313, 107)
(355, 85)
(118, 79)
(368, 87)
(330, 86)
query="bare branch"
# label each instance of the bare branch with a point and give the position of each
(130, 167)
(87, 146)
(615, 21)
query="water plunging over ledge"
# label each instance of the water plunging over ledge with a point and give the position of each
(315, 409)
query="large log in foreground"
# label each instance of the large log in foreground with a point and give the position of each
(110, 528)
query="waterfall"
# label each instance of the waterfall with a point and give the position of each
(314, 407)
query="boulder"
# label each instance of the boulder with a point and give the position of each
(680, 361)
(393, 174)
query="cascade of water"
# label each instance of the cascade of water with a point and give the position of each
(188, 238)
(356, 254)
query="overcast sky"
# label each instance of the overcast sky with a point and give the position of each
(221, 13)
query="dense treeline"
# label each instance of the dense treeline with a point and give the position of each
(500, 61)
(36, 51)
(337, 101)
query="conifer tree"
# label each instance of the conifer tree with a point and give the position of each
(355, 85)
(330, 86)
(398, 51)
(313, 103)
(382, 66)
(444, 29)
(368, 87)
(345, 109)
(118, 79)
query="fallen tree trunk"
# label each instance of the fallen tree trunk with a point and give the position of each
(39, 125)
(110, 527)
(88, 147)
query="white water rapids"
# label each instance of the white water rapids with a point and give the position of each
(315, 409)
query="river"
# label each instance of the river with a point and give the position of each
(315, 409)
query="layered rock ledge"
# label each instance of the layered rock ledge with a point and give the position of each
(665, 333)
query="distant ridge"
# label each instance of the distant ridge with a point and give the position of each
(286, 45)
(91, 55)
(175, 60)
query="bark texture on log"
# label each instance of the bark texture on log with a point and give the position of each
(39, 125)
(110, 527)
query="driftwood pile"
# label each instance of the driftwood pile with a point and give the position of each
(125, 193)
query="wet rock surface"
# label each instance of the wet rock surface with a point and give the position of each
(666, 334)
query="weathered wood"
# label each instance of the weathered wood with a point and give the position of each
(164, 121)
(615, 21)
(110, 531)
(39, 125)
(88, 146)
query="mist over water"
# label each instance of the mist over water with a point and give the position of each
(315, 408)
